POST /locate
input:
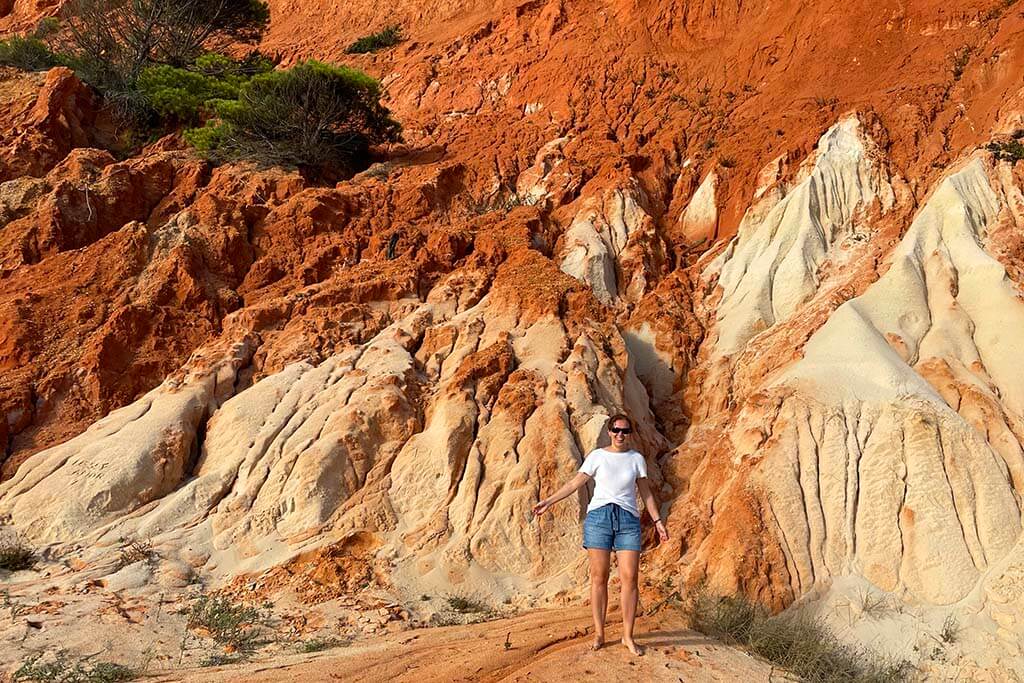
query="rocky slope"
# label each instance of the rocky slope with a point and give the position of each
(771, 234)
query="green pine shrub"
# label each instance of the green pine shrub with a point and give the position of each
(312, 115)
(180, 94)
(31, 52)
(146, 59)
(392, 35)
(1008, 150)
(27, 53)
(110, 43)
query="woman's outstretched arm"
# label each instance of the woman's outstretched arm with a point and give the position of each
(572, 485)
(652, 507)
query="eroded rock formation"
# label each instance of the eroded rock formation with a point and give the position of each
(806, 290)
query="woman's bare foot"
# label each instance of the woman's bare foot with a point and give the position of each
(598, 642)
(637, 650)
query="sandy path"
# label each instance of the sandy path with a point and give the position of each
(546, 645)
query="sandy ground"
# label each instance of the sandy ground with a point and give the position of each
(545, 645)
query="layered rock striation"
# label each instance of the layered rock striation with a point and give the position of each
(810, 303)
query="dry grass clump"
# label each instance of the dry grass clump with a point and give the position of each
(950, 630)
(464, 608)
(467, 604)
(874, 605)
(136, 551)
(15, 553)
(796, 642)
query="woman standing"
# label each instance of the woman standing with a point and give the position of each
(613, 523)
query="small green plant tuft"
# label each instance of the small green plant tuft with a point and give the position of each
(109, 672)
(727, 162)
(226, 622)
(1007, 150)
(320, 644)
(388, 37)
(61, 669)
(15, 553)
(218, 659)
(959, 61)
(997, 11)
(796, 642)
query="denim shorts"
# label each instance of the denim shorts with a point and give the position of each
(611, 527)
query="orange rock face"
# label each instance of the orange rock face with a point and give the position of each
(44, 123)
(768, 232)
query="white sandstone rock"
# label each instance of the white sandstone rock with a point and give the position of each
(771, 267)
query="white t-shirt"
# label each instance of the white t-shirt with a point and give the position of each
(615, 476)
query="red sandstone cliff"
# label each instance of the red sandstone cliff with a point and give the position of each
(769, 232)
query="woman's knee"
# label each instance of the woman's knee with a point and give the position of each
(628, 574)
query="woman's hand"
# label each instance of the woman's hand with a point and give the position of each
(662, 531)
(573, 484)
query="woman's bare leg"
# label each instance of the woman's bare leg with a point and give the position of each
(629, 567)
(599, 562)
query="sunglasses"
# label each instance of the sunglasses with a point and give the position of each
(620, 430)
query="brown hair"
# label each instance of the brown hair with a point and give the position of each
(617, 417)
